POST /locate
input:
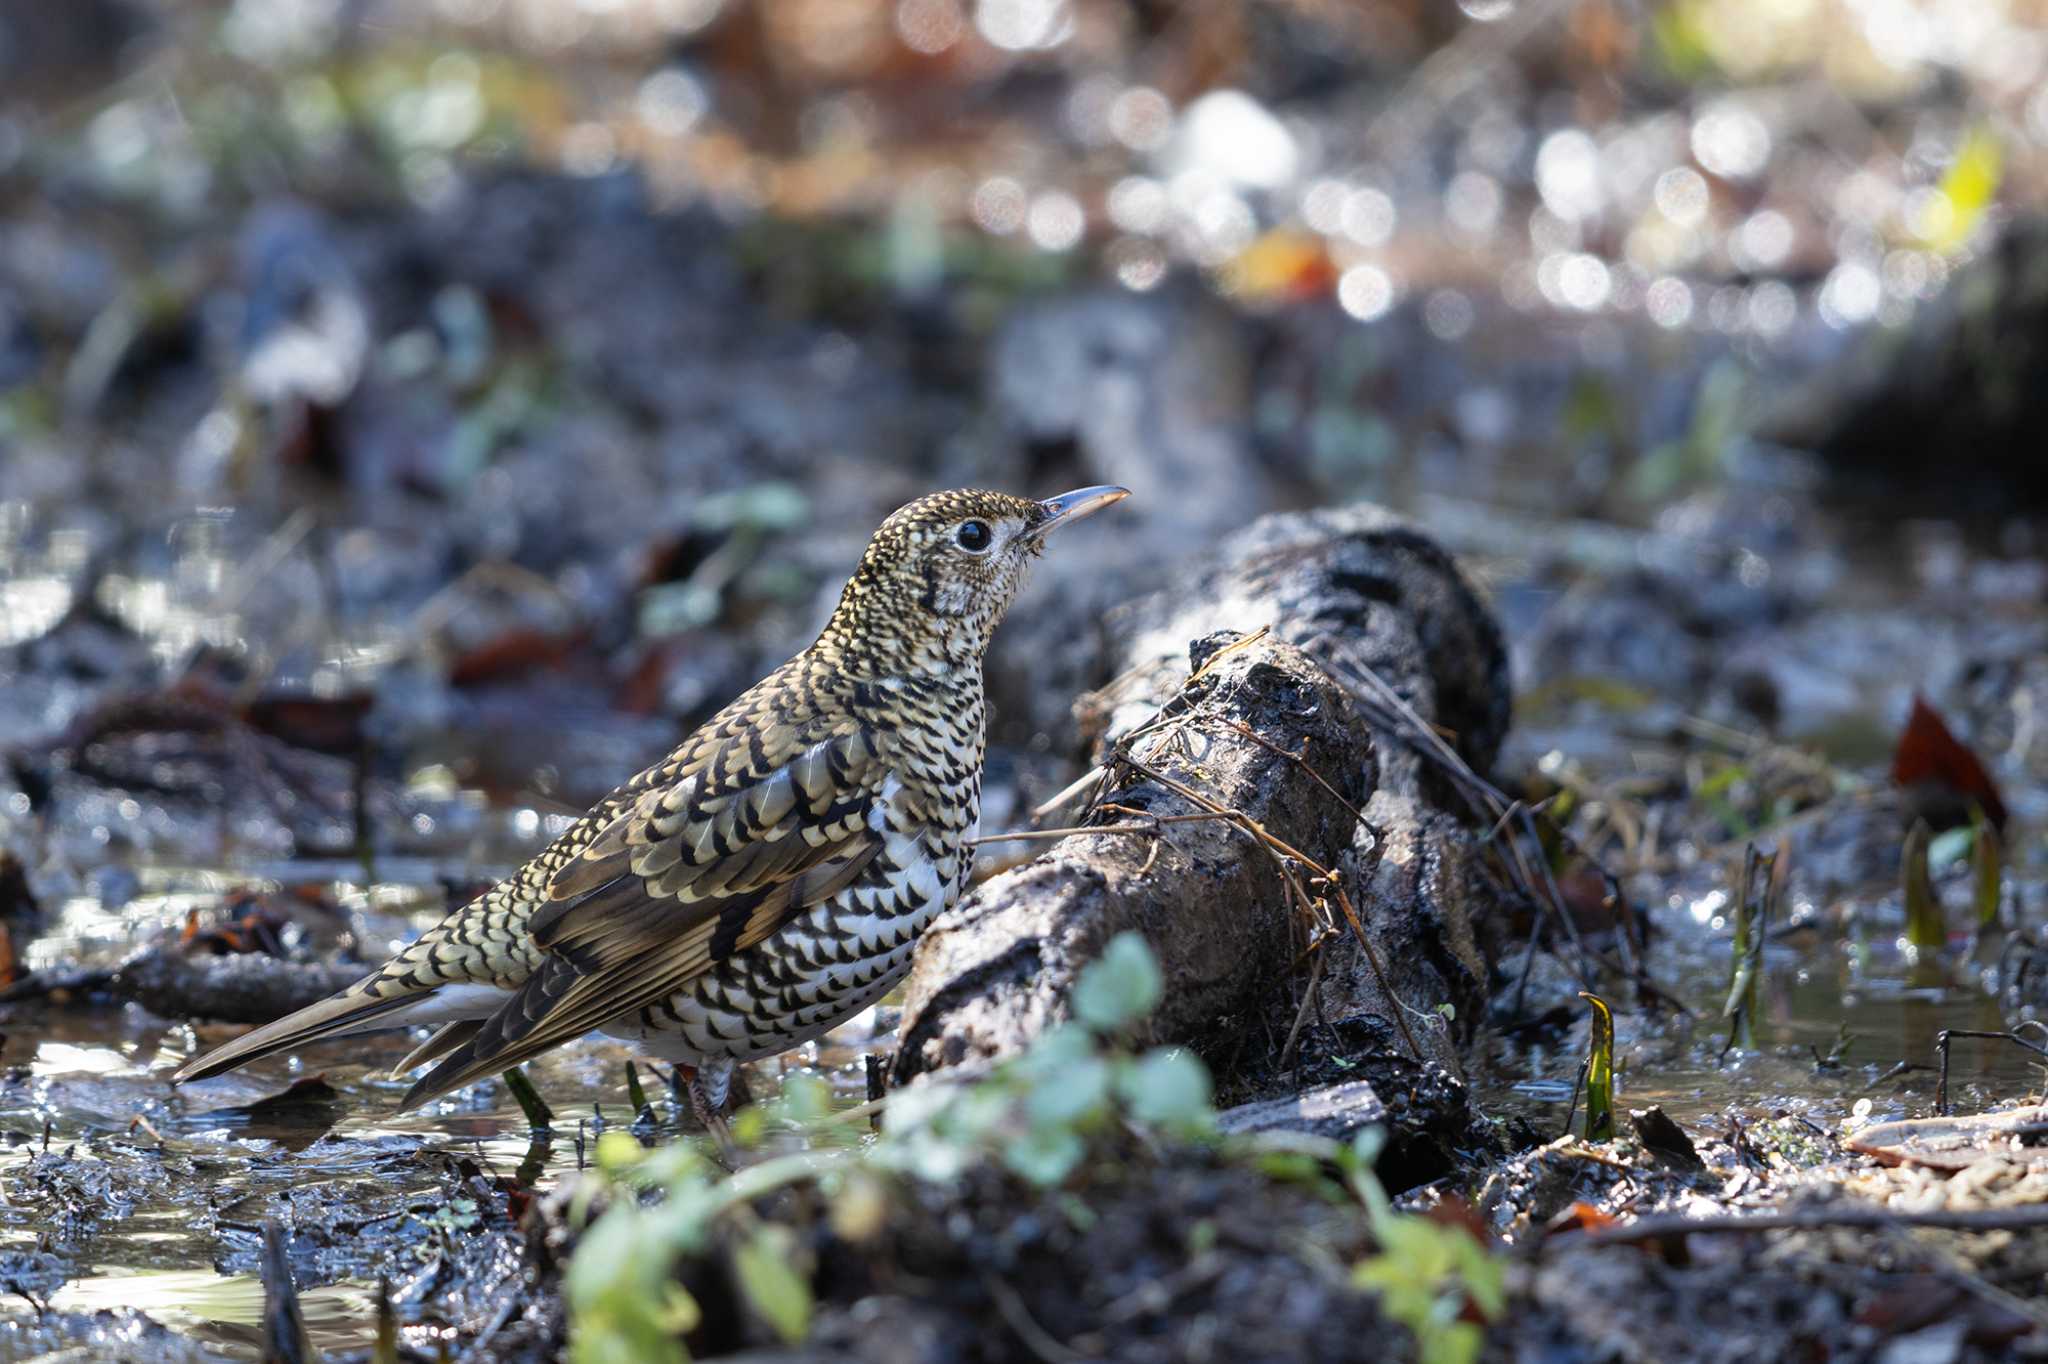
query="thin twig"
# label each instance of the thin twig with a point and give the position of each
(2031, 1217)
(1275, 844)
(1379, 972)
(1149, 826)
(1299, 760)
(1154, 1296)
(1308, 997)
(1578, 1087)
(1946, 1036)
(1235, 646)
(1068, 792)
(1035, 1337)
(1392, 711)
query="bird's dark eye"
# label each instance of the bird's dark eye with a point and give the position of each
(972, 535)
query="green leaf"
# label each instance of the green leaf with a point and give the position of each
(860, 1209)
(749, 1126)
(1987, 876)
(1600, 1072)
(1289, 1167)
(917, 1107)
(1681, 40)
(1486, 1278)
(674, 1164)
(1065, 1045)
(1120, 987)
(604, 1255)
(1168, 1086)
(1457, 1343)
(1926, 927)
(806, 1098)
(777, 1293)
(635, 1095)
(622, 1305)
(1065, 1097)
(1044, 1156)
(1426, 1274)
(618, 1151)
(677, 1312)
(763, 506)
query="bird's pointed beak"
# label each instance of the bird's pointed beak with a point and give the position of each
(1071, 507)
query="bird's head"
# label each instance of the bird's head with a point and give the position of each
(941, 572)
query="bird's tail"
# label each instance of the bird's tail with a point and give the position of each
(446, 1038)
(355, 1009)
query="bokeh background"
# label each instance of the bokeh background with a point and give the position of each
(485, 390)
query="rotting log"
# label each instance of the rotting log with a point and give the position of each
(1232, 736)
(1210, 898)
(1338, 1112)
(239, 988)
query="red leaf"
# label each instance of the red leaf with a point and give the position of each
(1457, 1212)
(324, 724)
(1931, 760)
(516, 652)
(1582, 1216)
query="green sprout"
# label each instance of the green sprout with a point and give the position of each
(1924, 926)
(1600, 1071)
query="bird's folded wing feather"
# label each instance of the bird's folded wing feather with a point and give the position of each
(763, 822)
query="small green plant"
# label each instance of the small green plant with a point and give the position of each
(1038, 1116)
(636, 1097)
(1746, 948)
(1035, 1114)
(1599, 1071)
(1432, 1277)
(1924, 927)
(538, 1115)
(1987, 875)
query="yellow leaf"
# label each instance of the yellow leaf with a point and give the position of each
(1969, 186)
(1282, 265)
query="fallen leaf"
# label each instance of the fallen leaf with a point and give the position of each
(1582, 1216)
(1943, 776)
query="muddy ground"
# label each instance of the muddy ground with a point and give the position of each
(368, 506)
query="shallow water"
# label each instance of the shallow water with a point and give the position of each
(154, 1198)
(1846, 1030)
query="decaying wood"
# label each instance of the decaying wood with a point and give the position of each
(1213, 902)
(1338, 1112)
(1229, 700)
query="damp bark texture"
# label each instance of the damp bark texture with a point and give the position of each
(1285, 730)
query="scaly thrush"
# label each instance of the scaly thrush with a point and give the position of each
(765, 881)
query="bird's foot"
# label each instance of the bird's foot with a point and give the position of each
(710, 1091)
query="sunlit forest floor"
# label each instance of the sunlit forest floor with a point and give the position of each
(413, 419)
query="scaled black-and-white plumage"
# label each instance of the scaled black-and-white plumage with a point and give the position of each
(765, 881)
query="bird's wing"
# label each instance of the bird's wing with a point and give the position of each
(762, 820)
